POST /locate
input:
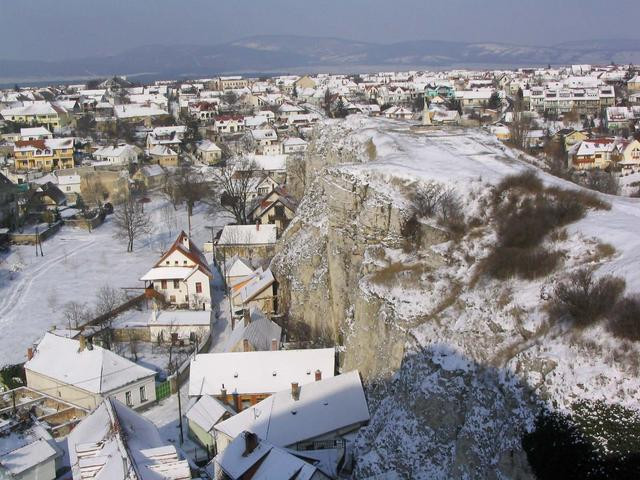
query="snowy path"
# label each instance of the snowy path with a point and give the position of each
(19, 291)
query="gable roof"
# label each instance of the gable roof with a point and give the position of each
(248, 235)
(322, 407)
(96, 370)
(192, 252)
(116, 443)
(260, 331)
(257, 372)
(208, 411)
(264, 462)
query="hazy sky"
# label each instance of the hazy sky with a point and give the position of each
(53, 29)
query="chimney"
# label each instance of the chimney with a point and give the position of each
(83, 343)
(250, 443)
(274, 344)
(258, 225)
(223, 394)
(295, 391)
(245, 345)
(318, 375)
(246, 313)
(29, 353)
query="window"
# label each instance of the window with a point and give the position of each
(143, 393)
(127, 397)
(198, 287)
(176, 284)
(176, 262)
(163, 284)
(184, 262)
(635, 154)
(172, 298)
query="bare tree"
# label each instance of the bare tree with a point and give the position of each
(169, 219)
(131, 221)
(134, 343)
(297, 174)
(76, 313)
(188, 187)
(520, 125)
(232, 186)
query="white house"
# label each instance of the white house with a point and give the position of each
(302, 416)
(186, 325)
(294, 145)
(182, 275)
(116, 443)
(84, 375)
(121, 154)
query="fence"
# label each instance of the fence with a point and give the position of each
(163, 390)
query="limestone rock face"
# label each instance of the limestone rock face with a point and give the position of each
(455, 364)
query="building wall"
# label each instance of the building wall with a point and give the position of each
(87, 399)
(43, 471)
(199, 435)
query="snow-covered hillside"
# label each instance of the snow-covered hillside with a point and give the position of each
(429, 315)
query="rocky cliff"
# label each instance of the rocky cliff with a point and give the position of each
(456, 365)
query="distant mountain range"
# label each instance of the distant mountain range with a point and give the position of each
(281, 53)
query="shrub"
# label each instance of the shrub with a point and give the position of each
(427, 197)
(584, 299)
(625, 319)
(527, 181)
(528, 263)
(449, 213)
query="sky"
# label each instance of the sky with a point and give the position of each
(57, 29)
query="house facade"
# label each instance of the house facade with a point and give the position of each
(44, 155)
(182, 276)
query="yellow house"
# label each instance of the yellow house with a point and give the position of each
(35, 113)
(164, 156)
(574, 137)
(630, 162)
(48, 154)
(305, 82)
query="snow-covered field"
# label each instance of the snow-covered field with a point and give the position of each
(75, 265)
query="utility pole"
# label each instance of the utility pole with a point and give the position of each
(179, 404)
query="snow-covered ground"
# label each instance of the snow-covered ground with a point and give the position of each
(75, 265)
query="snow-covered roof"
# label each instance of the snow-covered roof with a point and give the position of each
(321, 407)
(97, 447)
(133, 110)
(95, 369)
(208, 411)
(168, 273)
(266, 461)
(293, 141)
(259, 331)
(248, 235)
(269, 162)
(237, 267)
(258, 372)
(161, 151)
(256, 285)
(35, 132)
(25, 447)
(181, 317)
(208, 146)
(114, 151)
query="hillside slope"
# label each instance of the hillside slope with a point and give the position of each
(457, 363)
